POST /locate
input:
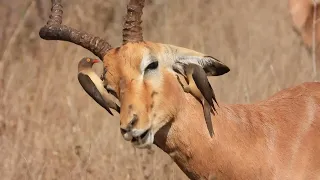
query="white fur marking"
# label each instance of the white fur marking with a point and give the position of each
(145, 61)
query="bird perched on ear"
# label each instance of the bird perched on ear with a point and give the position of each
(199, 87)
(93, 85)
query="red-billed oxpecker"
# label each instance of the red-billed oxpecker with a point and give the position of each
(200, 88)
(93, 85)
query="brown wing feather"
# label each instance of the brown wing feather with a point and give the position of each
(92, 90)
(200, 78)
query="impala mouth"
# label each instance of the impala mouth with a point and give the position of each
(141, 137)
(144, 140)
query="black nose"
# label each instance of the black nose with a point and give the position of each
(123, 130)
(130, 125)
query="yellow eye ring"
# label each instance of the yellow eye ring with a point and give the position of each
(88, 60)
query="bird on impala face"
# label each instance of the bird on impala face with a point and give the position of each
(93, 85)
(199, 87)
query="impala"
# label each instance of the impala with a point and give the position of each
(278, 138)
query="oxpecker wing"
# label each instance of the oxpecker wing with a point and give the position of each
(200, 78)
(92, 90)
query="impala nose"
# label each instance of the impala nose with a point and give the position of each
(126, 134)
(127, 131)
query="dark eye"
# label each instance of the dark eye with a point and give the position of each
(152, 65)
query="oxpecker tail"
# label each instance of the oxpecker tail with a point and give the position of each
(207, 117)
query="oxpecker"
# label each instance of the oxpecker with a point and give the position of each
(93, 85)
(199, 87)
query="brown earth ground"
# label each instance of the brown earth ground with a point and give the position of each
(51, 129)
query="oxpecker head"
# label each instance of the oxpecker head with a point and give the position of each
(87, 63)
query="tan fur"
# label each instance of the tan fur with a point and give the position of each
(278, 138)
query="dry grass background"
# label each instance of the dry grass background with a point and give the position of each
(51, 129)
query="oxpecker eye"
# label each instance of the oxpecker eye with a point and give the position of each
(152, 65)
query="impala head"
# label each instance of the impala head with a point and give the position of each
(141, 73)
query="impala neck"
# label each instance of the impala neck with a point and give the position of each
(186, 139)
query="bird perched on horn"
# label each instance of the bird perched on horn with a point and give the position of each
(199, 87)
(93, 85)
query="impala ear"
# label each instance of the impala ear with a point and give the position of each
(302, 13)
(211, 65)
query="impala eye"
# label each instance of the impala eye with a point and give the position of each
(152, 65)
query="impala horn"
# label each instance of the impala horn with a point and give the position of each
(54, 30)
(132, 31)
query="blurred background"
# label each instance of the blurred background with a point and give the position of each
(51, 129)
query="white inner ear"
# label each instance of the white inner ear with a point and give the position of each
(204, 62)
(201, 61)
(207, 63)
(188, 59)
